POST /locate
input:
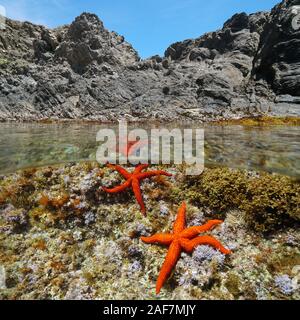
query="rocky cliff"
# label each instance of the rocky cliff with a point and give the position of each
(82, 71)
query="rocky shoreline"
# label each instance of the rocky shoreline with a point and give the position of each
(62, 237)
(249, 68)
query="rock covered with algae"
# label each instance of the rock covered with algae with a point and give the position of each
(62, 237)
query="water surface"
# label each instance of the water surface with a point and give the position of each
(271, 148)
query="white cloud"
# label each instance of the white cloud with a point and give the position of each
(2, 17)
(31, 10)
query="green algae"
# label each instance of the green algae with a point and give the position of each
(233, 284)
(261, 121)
(269, 201)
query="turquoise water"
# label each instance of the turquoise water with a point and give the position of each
(272, 148)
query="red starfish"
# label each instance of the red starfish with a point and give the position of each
(129, 147)
(182, 239)
(133, 180)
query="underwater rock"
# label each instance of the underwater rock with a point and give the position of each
(2, 278)
(89, 218)
(141, 230)
(89, 184)
(78, 235)
(203, 253)
(135, 252)
(93, 251)
(135, 267)
(285, 284)
(79, 290)
(16, 219)
(163, 210)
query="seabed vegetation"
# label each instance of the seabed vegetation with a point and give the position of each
(261, 121)
(63, 237)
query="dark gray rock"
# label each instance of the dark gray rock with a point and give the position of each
(83, 71)
(278, 59)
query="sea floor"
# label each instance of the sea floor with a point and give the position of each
(62, 237)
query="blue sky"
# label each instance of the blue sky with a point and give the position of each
(149, 25)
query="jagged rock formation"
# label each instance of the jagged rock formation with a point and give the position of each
(82, 71)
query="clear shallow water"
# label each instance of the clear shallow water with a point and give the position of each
(272, 148)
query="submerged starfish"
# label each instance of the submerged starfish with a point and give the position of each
(129, 147)
(182, 239)
(133, 180)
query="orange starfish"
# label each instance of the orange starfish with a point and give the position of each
(129, 147)
(133, 180)
(182, 239)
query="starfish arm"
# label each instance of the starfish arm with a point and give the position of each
(128, 147)
(153, 173)
(179, 223)
(192, 232)
(124, 150)
(139, 168)
(138, 195)
(168, 265)
(190, 245)
(160, 238)
(136, 146)
(118, 189)
(121, 170)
